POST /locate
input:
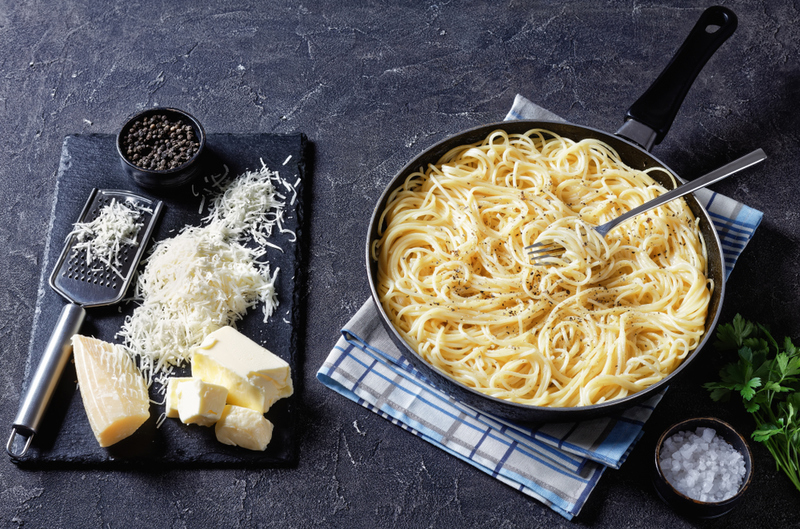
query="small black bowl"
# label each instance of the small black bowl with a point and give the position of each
(155, 179)
(680, 502)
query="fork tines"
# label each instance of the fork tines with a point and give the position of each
(541, 254)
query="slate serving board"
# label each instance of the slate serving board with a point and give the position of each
(65, 438)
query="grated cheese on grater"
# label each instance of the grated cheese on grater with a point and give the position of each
(115, 226)
(207, 276)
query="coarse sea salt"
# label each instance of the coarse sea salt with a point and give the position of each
(701, 465)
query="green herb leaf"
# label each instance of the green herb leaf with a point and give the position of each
(743, 327)
(730, 336)
(765, 432)
(793, 368)
(746, 354)
(766, 375)
(736, 374)
(752, 406)
(748, 389)
(760, 347)
(719, 394)
(782, 361)
(789, 347)
(779, 389)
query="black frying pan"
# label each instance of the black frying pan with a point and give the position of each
(646, 124)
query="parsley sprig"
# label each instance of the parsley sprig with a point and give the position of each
(767, 378)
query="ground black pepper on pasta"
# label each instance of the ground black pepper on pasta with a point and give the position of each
(158, 143)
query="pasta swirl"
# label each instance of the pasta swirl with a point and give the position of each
(617, 315)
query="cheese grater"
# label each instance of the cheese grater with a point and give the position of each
(84, 282)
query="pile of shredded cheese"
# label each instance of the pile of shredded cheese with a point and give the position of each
(249, 207)
(115, 226)
(206, 276)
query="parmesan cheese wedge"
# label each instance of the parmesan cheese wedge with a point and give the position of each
(243, 427)
(113, 391)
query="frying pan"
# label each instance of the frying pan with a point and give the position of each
(647, 122)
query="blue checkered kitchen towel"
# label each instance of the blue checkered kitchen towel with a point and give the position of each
(558, 464)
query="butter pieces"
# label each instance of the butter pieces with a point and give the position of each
(200, 402)
(113, 390)
(255, 378)
(234, 382)
(243, 427)
(171, 405)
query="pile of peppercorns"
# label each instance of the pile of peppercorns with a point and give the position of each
(157, 143)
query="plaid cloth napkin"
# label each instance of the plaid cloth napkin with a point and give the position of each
(558, 464)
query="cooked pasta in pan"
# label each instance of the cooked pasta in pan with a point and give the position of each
(616, 315)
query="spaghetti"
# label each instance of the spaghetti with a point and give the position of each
(615, 316)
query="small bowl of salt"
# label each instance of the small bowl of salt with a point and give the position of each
(702, 467)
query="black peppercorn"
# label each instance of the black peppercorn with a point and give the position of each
(158, 144)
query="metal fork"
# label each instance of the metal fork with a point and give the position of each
(541, 253)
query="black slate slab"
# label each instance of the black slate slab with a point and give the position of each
(65, 438)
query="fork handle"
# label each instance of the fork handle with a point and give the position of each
(716, 175)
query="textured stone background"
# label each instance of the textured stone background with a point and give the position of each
(372, 84)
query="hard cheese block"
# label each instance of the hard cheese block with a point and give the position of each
(255, 377)
(64, 438)
(113, 391)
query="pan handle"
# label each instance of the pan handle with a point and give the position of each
(648, 120)
(45, 380)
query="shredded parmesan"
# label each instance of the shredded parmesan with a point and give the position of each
(207, 276)
(115, 227)
(249, 205)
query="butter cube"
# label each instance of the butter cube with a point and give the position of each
(243, 427)
(171, 404)
(255, 377)
(200, 402)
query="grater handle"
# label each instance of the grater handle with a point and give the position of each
(45, 380)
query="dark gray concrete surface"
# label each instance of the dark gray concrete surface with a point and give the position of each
(372, 84)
